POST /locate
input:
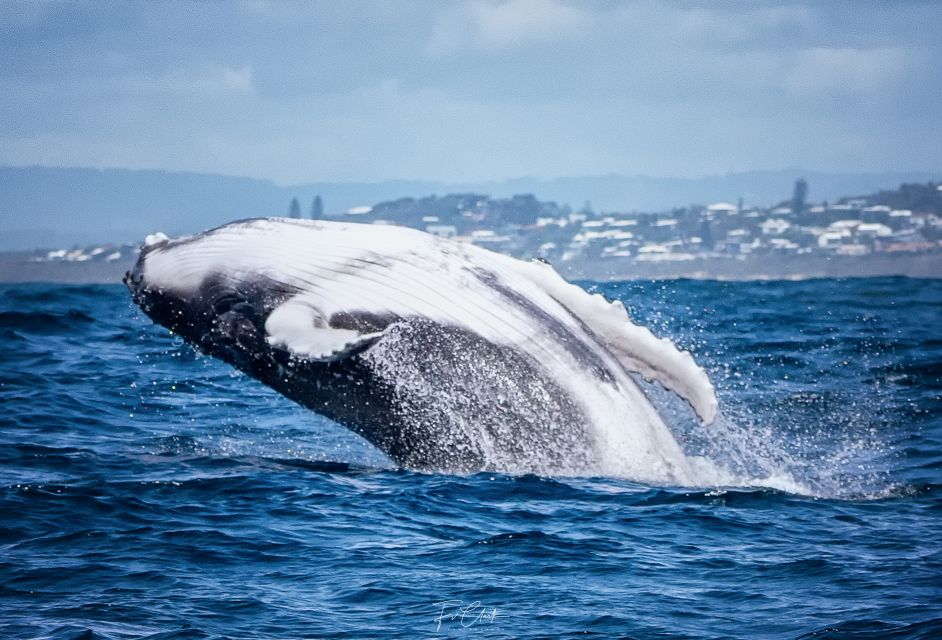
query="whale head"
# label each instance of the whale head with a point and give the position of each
(195, 287)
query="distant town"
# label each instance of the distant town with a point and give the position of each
(895, 232)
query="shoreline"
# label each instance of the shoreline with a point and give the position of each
(762, 267)
(23, 268)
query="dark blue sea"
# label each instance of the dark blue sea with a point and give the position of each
(147, 491)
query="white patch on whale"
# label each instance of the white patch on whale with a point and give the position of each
(299, 328)
(583, 343)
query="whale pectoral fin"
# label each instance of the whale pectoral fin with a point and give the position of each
(330, 345)
(302, 331)
(637, 349)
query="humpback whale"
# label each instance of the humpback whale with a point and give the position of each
(444, 355)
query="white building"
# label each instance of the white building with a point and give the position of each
(442, 230)
(722, 208)
(833, 239)
(853, 250)
(775, 227)
(874, 230)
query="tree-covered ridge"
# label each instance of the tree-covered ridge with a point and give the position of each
(464, 211)
(916, 197)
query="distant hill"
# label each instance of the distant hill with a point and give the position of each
(921, 197)
(56, 207)
(463, 211)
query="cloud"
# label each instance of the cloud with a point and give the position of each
(821, 70)
(475, 88)
(497, 26)
(236, 79)
(718, 28)
(206, 80)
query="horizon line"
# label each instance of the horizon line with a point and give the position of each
(447, 182)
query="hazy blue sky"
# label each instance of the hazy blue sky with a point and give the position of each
(346, 90)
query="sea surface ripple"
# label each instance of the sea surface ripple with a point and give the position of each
(147, 491)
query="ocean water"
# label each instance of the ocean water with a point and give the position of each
(147, 491)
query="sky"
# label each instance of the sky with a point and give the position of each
(471, 91)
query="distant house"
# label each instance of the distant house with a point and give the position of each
(442, 230)
(652, 248)
(722, 208)
(833, 239)
(853, 249)
(842, 225)
(653, 252)
(874, 230)
(783, 245)
(774, 226)
(900, 219)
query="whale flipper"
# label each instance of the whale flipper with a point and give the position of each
(635, 347)
(301, 330)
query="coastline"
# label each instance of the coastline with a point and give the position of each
(23, 268)
(757, 267)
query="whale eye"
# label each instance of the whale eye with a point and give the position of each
(233, 305)
(224, 303)
(243, 308)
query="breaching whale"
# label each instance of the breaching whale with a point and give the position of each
(444, 355)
